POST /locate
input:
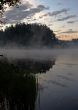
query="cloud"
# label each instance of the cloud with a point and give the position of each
(71, 22)
(55, 13)
(57, 31)
(23, 11)
(67, 17)
(42, 7)
(38, 9)
(42, 16)
(33, 2)
(70, 31)
(59, 3)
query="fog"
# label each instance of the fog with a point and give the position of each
(40, 54)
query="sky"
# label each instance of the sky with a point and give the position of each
(59, 15)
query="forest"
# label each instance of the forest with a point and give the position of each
(28, 35)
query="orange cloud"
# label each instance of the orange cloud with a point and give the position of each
(67, 37)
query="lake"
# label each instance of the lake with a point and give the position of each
(39, 79)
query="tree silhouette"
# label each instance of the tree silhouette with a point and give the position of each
(9, 2)
(28, 35)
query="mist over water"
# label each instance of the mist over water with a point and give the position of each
(39, 79)
(37, 53)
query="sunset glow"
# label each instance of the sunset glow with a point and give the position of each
(60, 15)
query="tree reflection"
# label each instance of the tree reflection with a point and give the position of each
(18, 85)
(33, 66)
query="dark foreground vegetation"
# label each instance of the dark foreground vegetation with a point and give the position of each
(18, 83)
(9, 2)
(28, 35)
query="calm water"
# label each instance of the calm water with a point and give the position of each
(49, 82)
(59, 86)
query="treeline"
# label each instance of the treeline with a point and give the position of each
(28, 35)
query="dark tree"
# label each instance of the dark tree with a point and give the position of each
(28, 35)
(9, 2)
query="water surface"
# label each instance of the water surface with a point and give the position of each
(39, 80)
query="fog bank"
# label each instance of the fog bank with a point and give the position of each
(36, 53)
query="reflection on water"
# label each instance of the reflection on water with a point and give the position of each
(34, 66)
(39, 84)
(18, 83)
(61, 82)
